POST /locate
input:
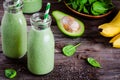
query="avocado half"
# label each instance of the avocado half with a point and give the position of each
(58, 15)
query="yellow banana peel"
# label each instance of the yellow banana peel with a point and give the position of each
(108, 30)
(112, 28)
(115, 41)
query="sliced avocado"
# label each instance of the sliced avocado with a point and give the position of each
(58, 15)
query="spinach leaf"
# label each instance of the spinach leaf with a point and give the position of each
(83, 1)
(74, 5)
(99, 8)
(10, 73)
(94, 13)
(108, 4)
(81, 6)
(91, 1)
(93, 62)
(69, 50)
(85, 10)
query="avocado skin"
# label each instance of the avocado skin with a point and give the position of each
(58, 15)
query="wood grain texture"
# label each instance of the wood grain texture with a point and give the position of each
(75, 67)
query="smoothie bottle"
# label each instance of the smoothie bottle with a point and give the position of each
(13, 30)
(40, 55)
(31, 6)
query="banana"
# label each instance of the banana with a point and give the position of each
(115, 41)
(112, 28)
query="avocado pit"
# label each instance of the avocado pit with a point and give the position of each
(70, 24)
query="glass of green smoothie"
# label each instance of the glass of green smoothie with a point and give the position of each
(40, 56)
(31, 6)
(13, 30)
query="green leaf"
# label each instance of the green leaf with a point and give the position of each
(69, 50)
(91, 1)
(108, 4)
(74, 6)
(93, 62)
(83, 2)
(10, 73)
(85, 10)
(99, 7)
(94, 13)
(77, 2)
(80, 8)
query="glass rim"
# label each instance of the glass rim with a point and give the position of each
(38, 23)
(38, 17)
(7, 5)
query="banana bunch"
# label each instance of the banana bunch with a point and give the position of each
(112, 29)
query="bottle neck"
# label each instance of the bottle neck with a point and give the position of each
(10, 7)
(37, 21)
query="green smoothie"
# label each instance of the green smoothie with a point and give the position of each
(14, 33)
(31, 6)
(40, 50)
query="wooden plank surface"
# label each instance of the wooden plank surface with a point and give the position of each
(72, 68)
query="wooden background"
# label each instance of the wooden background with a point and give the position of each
(75, 67)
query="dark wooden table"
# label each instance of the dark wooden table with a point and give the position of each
(72, 68)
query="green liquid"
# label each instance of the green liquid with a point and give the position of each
(40, 51)
(31, 6)
(14, 34)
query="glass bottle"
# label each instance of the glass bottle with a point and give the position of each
(13, 30)
(31, 6)
(40, 55)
